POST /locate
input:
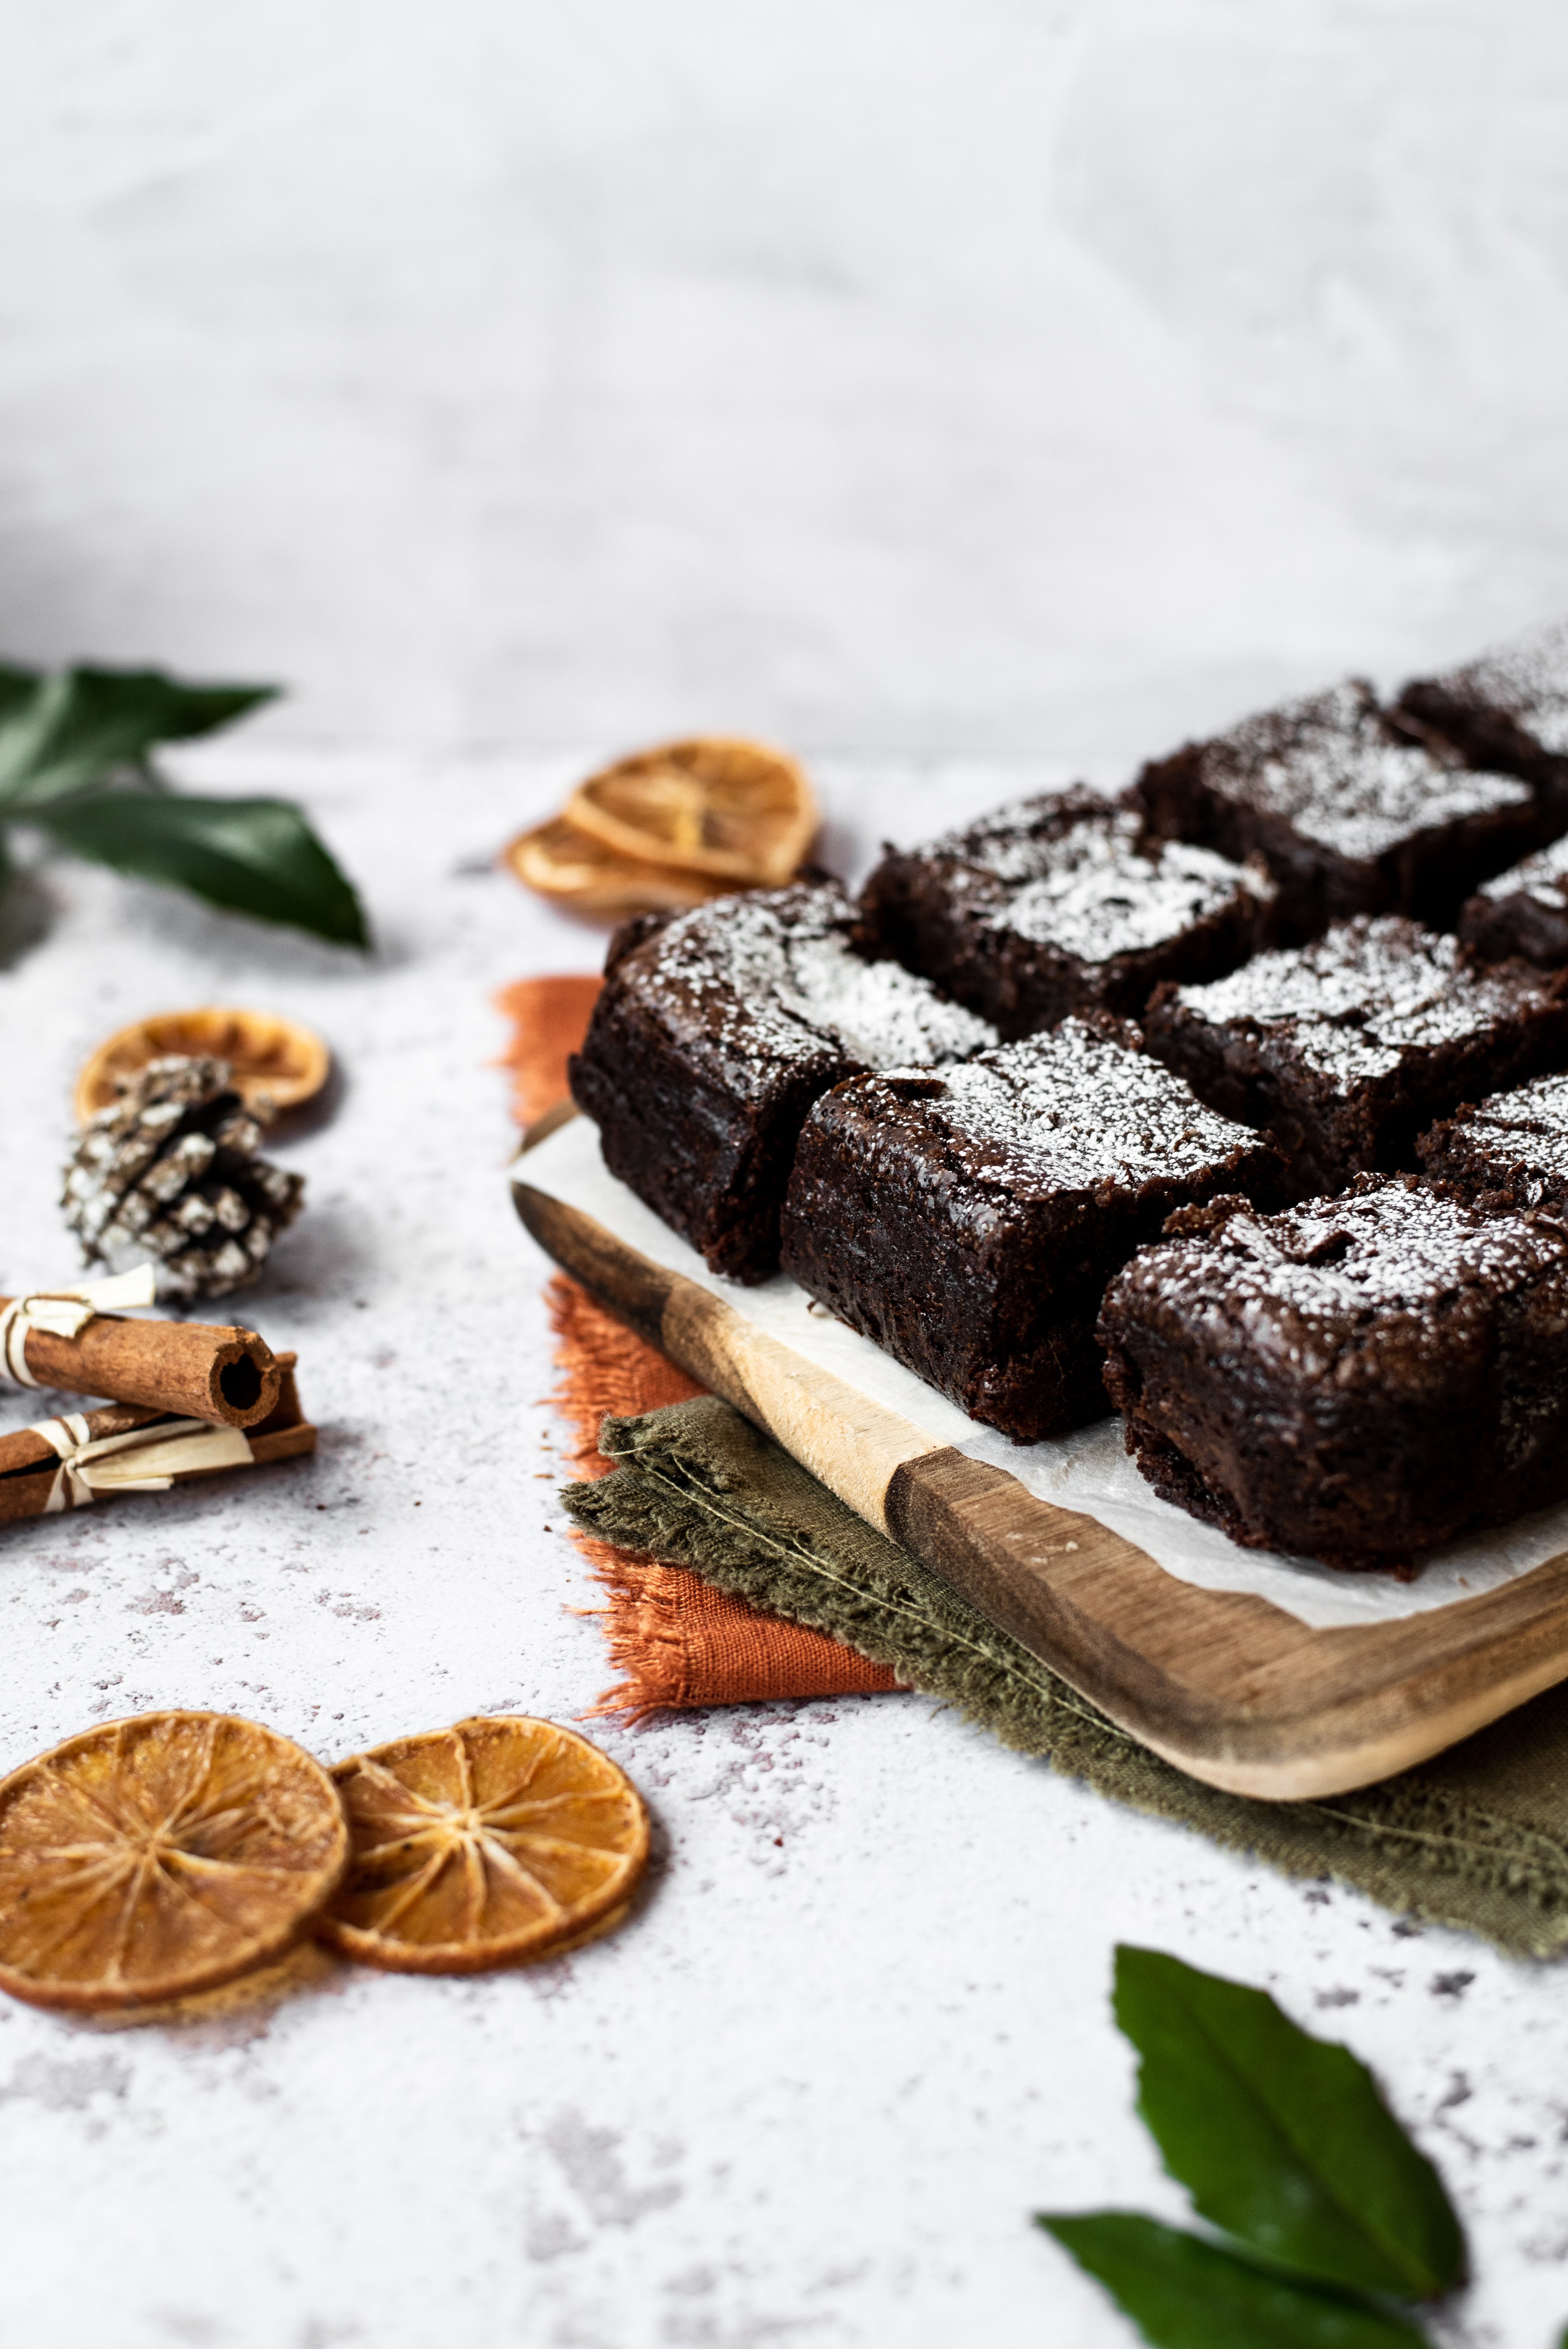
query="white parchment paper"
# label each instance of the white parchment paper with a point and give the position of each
(1088, 1470)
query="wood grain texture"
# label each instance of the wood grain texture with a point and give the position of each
(1223, 1683)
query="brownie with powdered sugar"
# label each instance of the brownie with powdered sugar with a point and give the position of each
(1523, 911)
(1508, 1153)
(1355, 1381)
(968, 1219)
(1346, 1049)
(713, 1034)
(1506, 711)
(1352, 811)
(1062, 902)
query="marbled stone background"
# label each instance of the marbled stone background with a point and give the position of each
(928, 373)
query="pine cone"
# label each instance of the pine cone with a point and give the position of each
(171, 1171)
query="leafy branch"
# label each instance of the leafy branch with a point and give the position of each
(1325, 2215)
(75, 761)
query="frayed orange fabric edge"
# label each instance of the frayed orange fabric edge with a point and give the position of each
(678, 1643)
(550, 1019)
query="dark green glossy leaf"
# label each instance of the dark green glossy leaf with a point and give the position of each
(17, 687)
(250, 856)
(1183, 2292)
(66, 733)
(1283, 2140)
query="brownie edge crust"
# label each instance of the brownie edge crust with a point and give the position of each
(1356, 1380)
(967, 1220)
(715, 1031)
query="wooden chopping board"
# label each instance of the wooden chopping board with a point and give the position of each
(1224, 1684)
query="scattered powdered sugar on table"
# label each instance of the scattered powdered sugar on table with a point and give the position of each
(1075, 1108)
(771, 976)
(1329, 765)
(1356, 1001)
(1543, 876)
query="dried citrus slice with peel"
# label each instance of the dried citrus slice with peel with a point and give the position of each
(712, 804)
(149, 1858)
(500, 1839)
(560, 861)
(279, 1060)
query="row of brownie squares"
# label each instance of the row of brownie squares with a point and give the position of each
(971, 1220)
(1353, 1380)
(718, 1030)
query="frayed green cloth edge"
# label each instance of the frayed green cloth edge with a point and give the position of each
(1477, 1838)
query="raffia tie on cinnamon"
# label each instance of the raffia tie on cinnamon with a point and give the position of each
(73, 1338)
(143, 1459)
(65, 1313)
(82, 1457)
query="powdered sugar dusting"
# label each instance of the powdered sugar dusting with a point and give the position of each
(1357, 1001)
(770, 980)
(1331, 767)
(1529, 680)
(1074, 875)
(1373, 1254)
(881, 1013)
(1543, 876)
(1075, 1108)
(1525, 1133)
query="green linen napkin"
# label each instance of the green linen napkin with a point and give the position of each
(1477, 1838)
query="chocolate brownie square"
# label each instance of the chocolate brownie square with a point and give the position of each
(1063, 903)
(1351, 813)
(1346, 1048)
(713, 1034)
(968, 1220)
(1354, 1381)
(1507, 711)
(1508, 1153)
(1524, 912)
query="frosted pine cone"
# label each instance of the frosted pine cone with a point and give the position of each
(171, 1171)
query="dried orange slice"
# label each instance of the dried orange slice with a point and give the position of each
(571, 865)
(499, 1840)
(712, 804)
(281, 1059)
(147, 1858)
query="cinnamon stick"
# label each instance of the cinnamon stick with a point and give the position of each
(29, 1464)
(187, 1368)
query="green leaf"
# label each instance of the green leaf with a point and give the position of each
(1280, 2139)
(250, 856)
(1183, 2292)
(64, 734)
(18, 685)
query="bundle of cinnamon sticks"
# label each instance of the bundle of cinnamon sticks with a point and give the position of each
(188, 1399)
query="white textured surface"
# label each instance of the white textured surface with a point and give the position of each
(859, 2030)
(925, 372)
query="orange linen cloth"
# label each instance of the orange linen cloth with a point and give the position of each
(677, 1642)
